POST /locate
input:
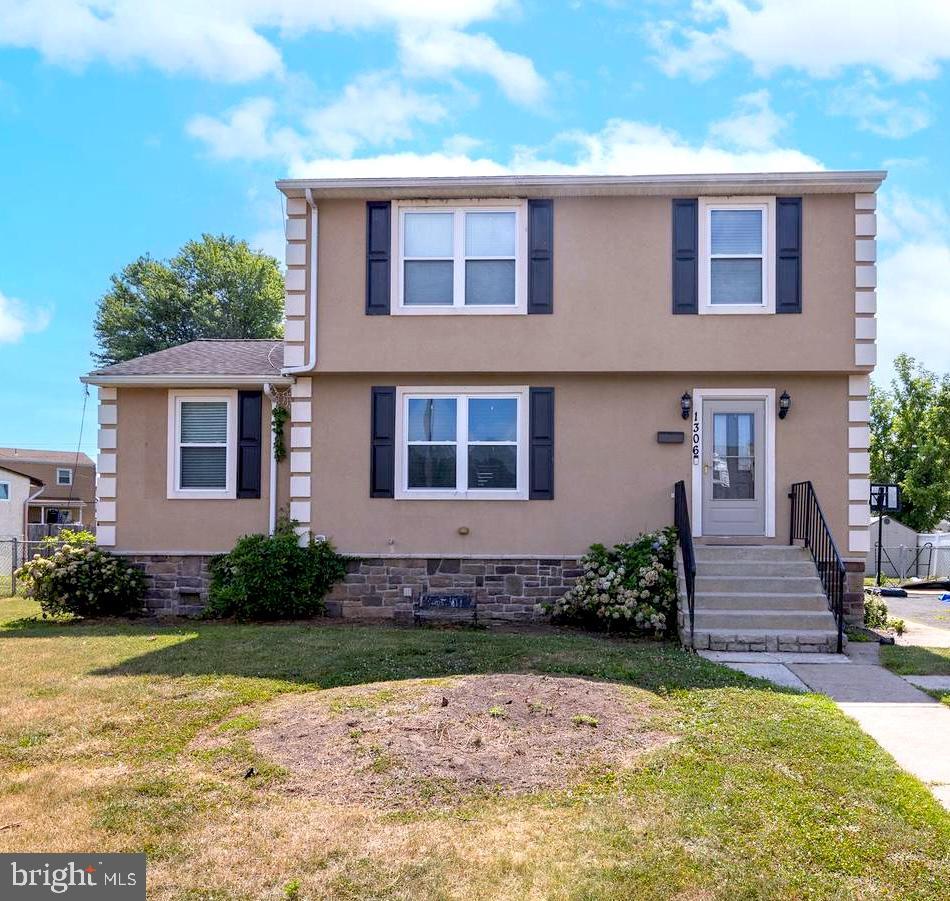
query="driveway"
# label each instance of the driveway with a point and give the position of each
(927, 619)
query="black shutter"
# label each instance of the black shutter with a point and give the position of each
(382, 467)
(377, 257)
(541, 444)
(540, 256)
(685, 256)
(249, 443)
(788, 255)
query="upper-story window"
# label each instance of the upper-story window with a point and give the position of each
(460, 259)
(64, 477)
(4, 491)
(737, 257)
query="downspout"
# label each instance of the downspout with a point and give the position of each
(272, 503)
(311, 358)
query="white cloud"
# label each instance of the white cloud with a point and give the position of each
(621, 147)
(16, 320)
(373, 109)
(913, 281)
(754, 125)
(877, 114)
(438, 52)
(217, 39)
(905, 40)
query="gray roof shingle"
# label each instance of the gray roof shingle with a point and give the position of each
(207, 356)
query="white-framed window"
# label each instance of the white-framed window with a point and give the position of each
(737, 255)
(202, 430)
(4, 491)
(460, 258)
(64, 477)
(462, 443)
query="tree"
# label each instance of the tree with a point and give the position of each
(213, 288)
(910, 441)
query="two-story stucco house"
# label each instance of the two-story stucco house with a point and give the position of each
(486, 375)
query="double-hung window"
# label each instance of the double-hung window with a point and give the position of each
(4, 491)
(462, 443)
(202, 429)
(460, 259)
(737, 263)
(64, 477)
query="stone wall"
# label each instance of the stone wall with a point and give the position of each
(504, 589)
(177, 585)
(854, 592)
(375, 588)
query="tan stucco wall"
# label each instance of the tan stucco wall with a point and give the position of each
(147, 520)
(612, 479)
(612, 300)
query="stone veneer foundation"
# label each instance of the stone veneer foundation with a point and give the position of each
(504, 588)
(374, 587)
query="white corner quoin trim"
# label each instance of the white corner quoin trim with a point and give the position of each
(766, 394)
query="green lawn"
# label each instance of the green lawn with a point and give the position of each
(906, 660)
(766, 794)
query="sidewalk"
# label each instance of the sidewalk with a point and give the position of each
(908, 724)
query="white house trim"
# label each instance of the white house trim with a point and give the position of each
(768, 395)
(174, 492)
(106, 479)
(301, 455)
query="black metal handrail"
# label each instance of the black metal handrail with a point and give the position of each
(808, 524)
(685, 534)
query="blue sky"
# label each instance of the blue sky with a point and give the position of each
(130, 126)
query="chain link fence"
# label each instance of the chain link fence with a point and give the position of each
(898, 564)
(14, 553)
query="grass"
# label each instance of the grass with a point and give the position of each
(766, 794)
(908, 660)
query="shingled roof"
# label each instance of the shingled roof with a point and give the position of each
(14, 455)
(217, 357)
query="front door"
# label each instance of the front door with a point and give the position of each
(733, 467)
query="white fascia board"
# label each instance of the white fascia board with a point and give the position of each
(196, 380)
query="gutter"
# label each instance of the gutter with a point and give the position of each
(310, 359)
(859, 181)
(26, 515)
(184, 380)
(272, 498)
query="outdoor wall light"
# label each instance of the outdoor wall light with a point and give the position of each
(686, 404)
(784, 405)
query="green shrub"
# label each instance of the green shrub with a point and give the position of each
(272, 577)
(631, 586)
(79, 578)
(75, 537)
(875, 611)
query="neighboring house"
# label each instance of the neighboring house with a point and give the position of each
(488, 374)
(15, 491)
(64, 489)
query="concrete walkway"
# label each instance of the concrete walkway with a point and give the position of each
(908, 724)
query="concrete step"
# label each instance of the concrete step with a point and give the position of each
(782, 620)
(760, 552)
(755, 568)
(737, 600)
(807, 584)
(800, 641)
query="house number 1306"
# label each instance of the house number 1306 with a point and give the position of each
(695, 438)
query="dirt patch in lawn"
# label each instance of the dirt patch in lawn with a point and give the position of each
(434, 741)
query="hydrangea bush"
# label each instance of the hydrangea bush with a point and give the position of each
(629, 587)
(79, 578)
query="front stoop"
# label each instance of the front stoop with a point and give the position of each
(758, 598)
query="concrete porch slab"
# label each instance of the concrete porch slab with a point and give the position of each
(783, 657)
